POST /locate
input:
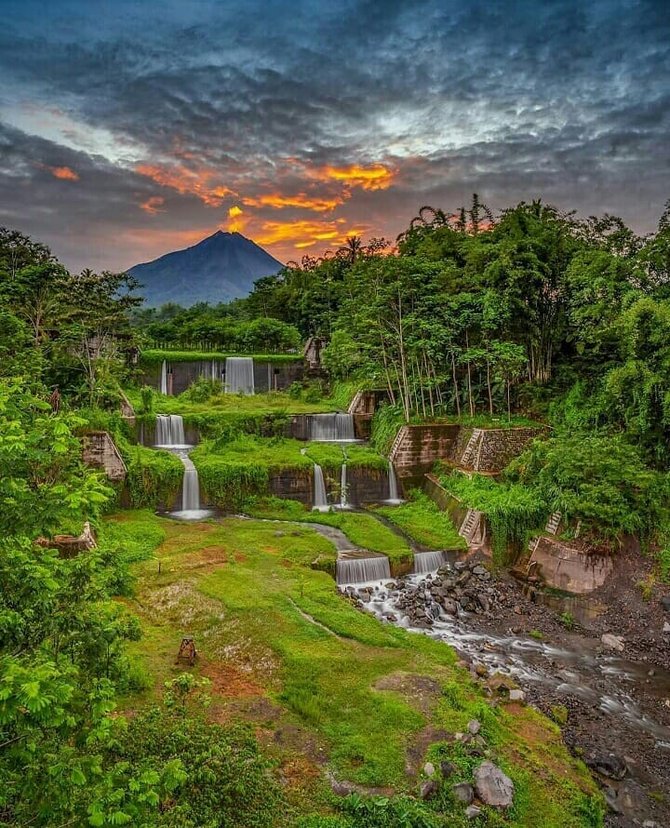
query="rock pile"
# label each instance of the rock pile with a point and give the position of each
(465, 587)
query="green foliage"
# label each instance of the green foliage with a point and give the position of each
(386, 422)
(155, 356)
(598, 480)
(154, 476)
(386, 812)
(147, 395)
(512, 510)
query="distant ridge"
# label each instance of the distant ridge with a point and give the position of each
(221, 267)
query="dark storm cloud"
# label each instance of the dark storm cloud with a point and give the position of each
(165, 104)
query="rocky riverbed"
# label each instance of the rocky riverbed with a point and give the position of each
(605, 680)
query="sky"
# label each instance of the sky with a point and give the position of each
(130, 128)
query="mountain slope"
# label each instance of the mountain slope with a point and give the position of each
(217, 269)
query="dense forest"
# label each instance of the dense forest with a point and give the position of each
(529, 314)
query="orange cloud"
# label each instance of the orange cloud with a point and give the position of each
(302, 234)
(278, 201)
(152, 205)
(64, 173)
(200, 182)
(375, 177)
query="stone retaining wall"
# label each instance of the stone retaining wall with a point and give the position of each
(100, 452)
(501, 445)
(418, 447)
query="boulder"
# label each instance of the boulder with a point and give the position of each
(472, 812)
(612, 642)
(463, 792)
(608, 764)
(428, 789)
(665, 602)
(493, 787)
(474, 726)
(429, 769)
(447, 769)
(516, 695)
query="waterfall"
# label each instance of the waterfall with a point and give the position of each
(164, 389)
(239, 375)
(190, 493)
(332, 428)
(320, 497)
(428, 561)
(393, 485)
(343, 487)
(362, 570)
(170, 431)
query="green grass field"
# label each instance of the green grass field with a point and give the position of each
(420, 518)
(323, 684)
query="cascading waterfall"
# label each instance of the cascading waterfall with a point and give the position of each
(393, 485)
(320, 496)
(362, 570)
(428, 561)
(332, 428)
(164, 388)
(239, 375)
(190, 493)
(343, 487)
(170, 431)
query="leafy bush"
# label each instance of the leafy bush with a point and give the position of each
(512, 510)
(598, 480)
(154, 477)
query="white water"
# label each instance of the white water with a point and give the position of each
(362, 570)
(320, 497)
(428, 561)
(164, 388)
(394, 496)
(190, 493)
(239, 375)
(332, 428)
(579, 672)
(343, 487)
(170, 432)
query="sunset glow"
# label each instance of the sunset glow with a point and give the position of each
(64, 173)
(201, 182)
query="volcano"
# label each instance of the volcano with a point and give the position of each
(217, 269)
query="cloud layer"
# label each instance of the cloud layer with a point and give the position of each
(131, 129)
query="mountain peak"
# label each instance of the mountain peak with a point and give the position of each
(219, 268)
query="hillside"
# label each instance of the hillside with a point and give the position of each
(221, 267)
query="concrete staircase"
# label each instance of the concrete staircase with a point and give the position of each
(471, 526)
(472, 451)
(553, 524)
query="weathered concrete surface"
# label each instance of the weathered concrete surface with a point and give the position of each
(100, 452)
(565, 567)
(268, 376)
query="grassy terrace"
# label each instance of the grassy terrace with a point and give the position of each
(425, 522)
(257, 405)
(363, 530)
(154, 356)
(321, 683)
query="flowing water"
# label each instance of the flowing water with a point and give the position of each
(394, 496)
(353, 570)
(190, 493)
(332, 428)
(343, 487)
(428, 561)
(170, 432)
(606, 681)
(320, 496)
(164, 388)
(240, 375)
